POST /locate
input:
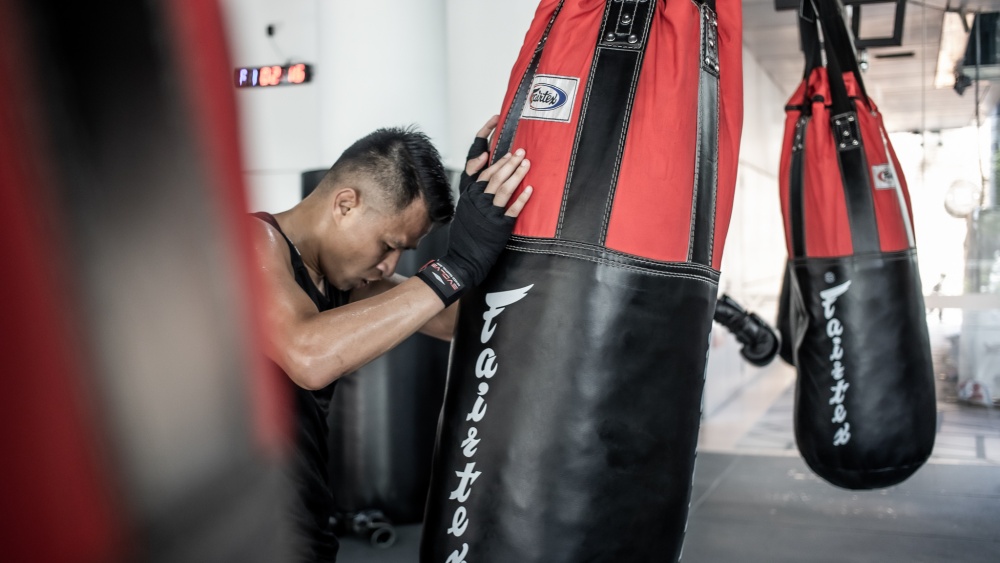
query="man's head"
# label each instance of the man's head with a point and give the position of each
(385, 192)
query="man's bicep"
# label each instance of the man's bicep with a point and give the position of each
(286, 306)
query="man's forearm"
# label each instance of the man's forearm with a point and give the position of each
(440, 326)
(334, 343)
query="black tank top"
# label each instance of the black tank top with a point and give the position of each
(314, 503)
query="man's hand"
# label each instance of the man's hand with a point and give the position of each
(483, 222)
(478, 155)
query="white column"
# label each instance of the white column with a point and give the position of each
(380, 64)
(484, 38)
(279, 131)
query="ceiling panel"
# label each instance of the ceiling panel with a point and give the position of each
(901, 87)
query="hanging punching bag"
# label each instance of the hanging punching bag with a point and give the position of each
(783, 323)
(572, 405)
(864, 405)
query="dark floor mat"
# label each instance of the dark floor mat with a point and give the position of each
(772, 509)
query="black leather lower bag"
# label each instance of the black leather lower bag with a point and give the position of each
(572, 406)
(864, 399)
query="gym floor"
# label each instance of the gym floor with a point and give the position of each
(755, 501)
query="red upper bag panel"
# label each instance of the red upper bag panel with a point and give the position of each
(650, 216)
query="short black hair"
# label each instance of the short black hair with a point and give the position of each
(405, 165)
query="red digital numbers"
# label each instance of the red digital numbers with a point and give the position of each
(272, 75)
(297, 73)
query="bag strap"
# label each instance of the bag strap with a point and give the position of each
(701, 244)
(812, 49)
(844, 126)
(839, 100)
(604, 117)
(838, 44)
(513, 117)
(795, 185)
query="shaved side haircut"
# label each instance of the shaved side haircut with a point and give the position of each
(404, 165)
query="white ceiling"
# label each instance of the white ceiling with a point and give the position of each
(903, 88)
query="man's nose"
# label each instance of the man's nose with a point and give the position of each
(388, 265)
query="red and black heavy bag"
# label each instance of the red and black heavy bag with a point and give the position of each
(864, 404)
(572, 407)
(137, 422)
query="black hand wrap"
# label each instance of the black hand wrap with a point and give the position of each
(478, 235)
(479, 146)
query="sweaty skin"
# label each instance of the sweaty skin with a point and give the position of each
(353, 245)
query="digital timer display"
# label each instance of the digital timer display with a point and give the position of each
(275, 75)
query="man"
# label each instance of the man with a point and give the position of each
(333, 300)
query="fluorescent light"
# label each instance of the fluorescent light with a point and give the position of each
(951, 50)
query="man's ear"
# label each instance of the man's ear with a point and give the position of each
(345, 201)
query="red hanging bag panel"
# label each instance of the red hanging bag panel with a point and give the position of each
(825, 215)
(655, 150)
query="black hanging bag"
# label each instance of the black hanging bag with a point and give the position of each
(854, 319)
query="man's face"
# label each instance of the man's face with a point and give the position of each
(370, 242)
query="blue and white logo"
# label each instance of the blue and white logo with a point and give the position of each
(551, 98)
(546, 97)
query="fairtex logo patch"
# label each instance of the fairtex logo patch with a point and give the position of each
(551, 98)
(884, 177)
(546, 97)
